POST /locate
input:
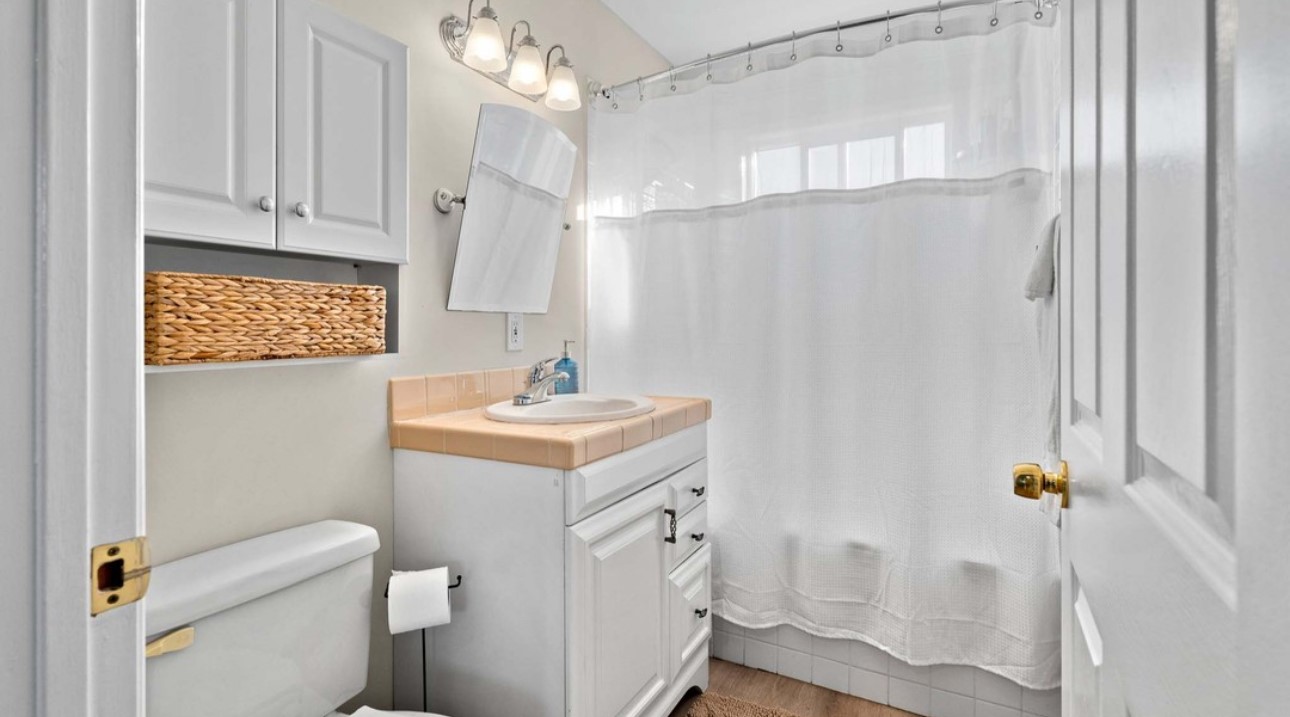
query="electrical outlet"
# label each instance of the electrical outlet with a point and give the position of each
(515, 332)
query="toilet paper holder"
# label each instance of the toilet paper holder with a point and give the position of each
(450, 587)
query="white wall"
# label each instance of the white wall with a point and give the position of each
(17, 530)
(236, 453)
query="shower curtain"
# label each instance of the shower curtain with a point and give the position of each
(833, 247)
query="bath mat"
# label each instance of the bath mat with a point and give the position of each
(713, 705)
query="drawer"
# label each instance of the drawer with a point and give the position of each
(607, 481)
(689, 608)
(691, 534)
(689, 486)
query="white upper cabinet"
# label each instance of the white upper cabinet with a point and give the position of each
(324, 174)
(208, 121)
(344, 137)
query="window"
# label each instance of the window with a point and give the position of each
(822, 167)
(871, 162)
(925, 151)
(777, 171)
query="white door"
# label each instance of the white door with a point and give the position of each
(209, 121)
(1149, 613)
(344, 139)
(617, 612)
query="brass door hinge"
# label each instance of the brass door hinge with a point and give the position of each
(119, 574)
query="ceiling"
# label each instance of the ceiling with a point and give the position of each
(685, 30)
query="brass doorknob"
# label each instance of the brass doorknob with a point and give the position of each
(1029, 480)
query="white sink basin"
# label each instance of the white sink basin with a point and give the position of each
(572, 408)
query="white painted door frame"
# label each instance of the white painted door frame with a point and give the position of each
(88, 382)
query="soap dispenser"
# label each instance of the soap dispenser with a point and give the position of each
(569, 366)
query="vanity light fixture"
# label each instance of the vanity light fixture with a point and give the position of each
(563, 93)
(484, 49)
(476, 42)
(528, 74)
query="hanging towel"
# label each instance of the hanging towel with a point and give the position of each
(1040, 280)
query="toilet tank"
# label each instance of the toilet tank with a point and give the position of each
(282, 624)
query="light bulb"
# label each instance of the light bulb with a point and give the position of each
(484, 48)
(528, 76)
(562, 92)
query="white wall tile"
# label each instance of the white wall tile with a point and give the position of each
(868, 657)
(760, 655)
(959, 679)
(1042, 703)
(989, 709)
(948, 704)
(728, 647)
(828, 673)
(993, 688)
(868, 685)
(794, 664)
(836, 650)
(909, 696)
(905, 671)
(794, 639)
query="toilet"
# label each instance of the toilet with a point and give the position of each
(281, 626)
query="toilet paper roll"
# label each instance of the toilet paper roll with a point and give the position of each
(419, 599)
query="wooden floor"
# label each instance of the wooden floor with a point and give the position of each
(800, 698)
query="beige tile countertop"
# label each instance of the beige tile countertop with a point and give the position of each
(445, 414)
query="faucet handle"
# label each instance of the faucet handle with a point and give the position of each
(538, 372)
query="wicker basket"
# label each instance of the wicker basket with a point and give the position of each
(203, 318)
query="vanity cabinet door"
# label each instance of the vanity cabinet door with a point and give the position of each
(344, 139)
(208, 131)
(617, 611)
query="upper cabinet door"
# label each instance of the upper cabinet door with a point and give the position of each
(209, 128)
(344, 171)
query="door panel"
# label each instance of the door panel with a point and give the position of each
(617, 611)
(344, 137)
(209, 128)
(1150, 571)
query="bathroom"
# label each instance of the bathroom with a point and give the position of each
(727, 359)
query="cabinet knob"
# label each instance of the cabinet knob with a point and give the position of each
(701, 613)
(697, 537)
(700, 490)
(266, 203)
(302, 210)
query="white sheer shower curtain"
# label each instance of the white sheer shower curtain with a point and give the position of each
(834, 251)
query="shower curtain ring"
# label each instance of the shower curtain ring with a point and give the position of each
(939, 27)
(708, 77)
(671, 77)
(838, 47)
(749, 68)
(1039, 9)
(994, 18)
(793, 57)
(640, 90)
(615, 98)
(887, 38)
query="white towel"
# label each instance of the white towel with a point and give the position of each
(1040, 280)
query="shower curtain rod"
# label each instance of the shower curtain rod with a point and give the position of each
(673, 71)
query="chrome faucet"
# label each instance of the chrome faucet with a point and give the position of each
(538, 372)
(538, 392)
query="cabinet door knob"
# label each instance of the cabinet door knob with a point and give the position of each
(266, 203)
(701, 613)
(302, 210)
(697, 537)
(700, 490)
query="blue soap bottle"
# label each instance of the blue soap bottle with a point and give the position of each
(569, 366)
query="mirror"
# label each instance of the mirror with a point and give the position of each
(514, 218)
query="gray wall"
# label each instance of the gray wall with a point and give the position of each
(17, 527)
(237, 453)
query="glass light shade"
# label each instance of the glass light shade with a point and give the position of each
(528, 75)
(562, 90)
(484, 48)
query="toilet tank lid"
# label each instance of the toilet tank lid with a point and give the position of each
(201, 585)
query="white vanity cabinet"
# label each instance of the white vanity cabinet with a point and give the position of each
(236, 149)
(586, 592)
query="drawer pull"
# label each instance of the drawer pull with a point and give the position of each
(699, 491)
(701, 613)
(671, 514)
(697, 537)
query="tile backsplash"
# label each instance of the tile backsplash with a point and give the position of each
(862, 670)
